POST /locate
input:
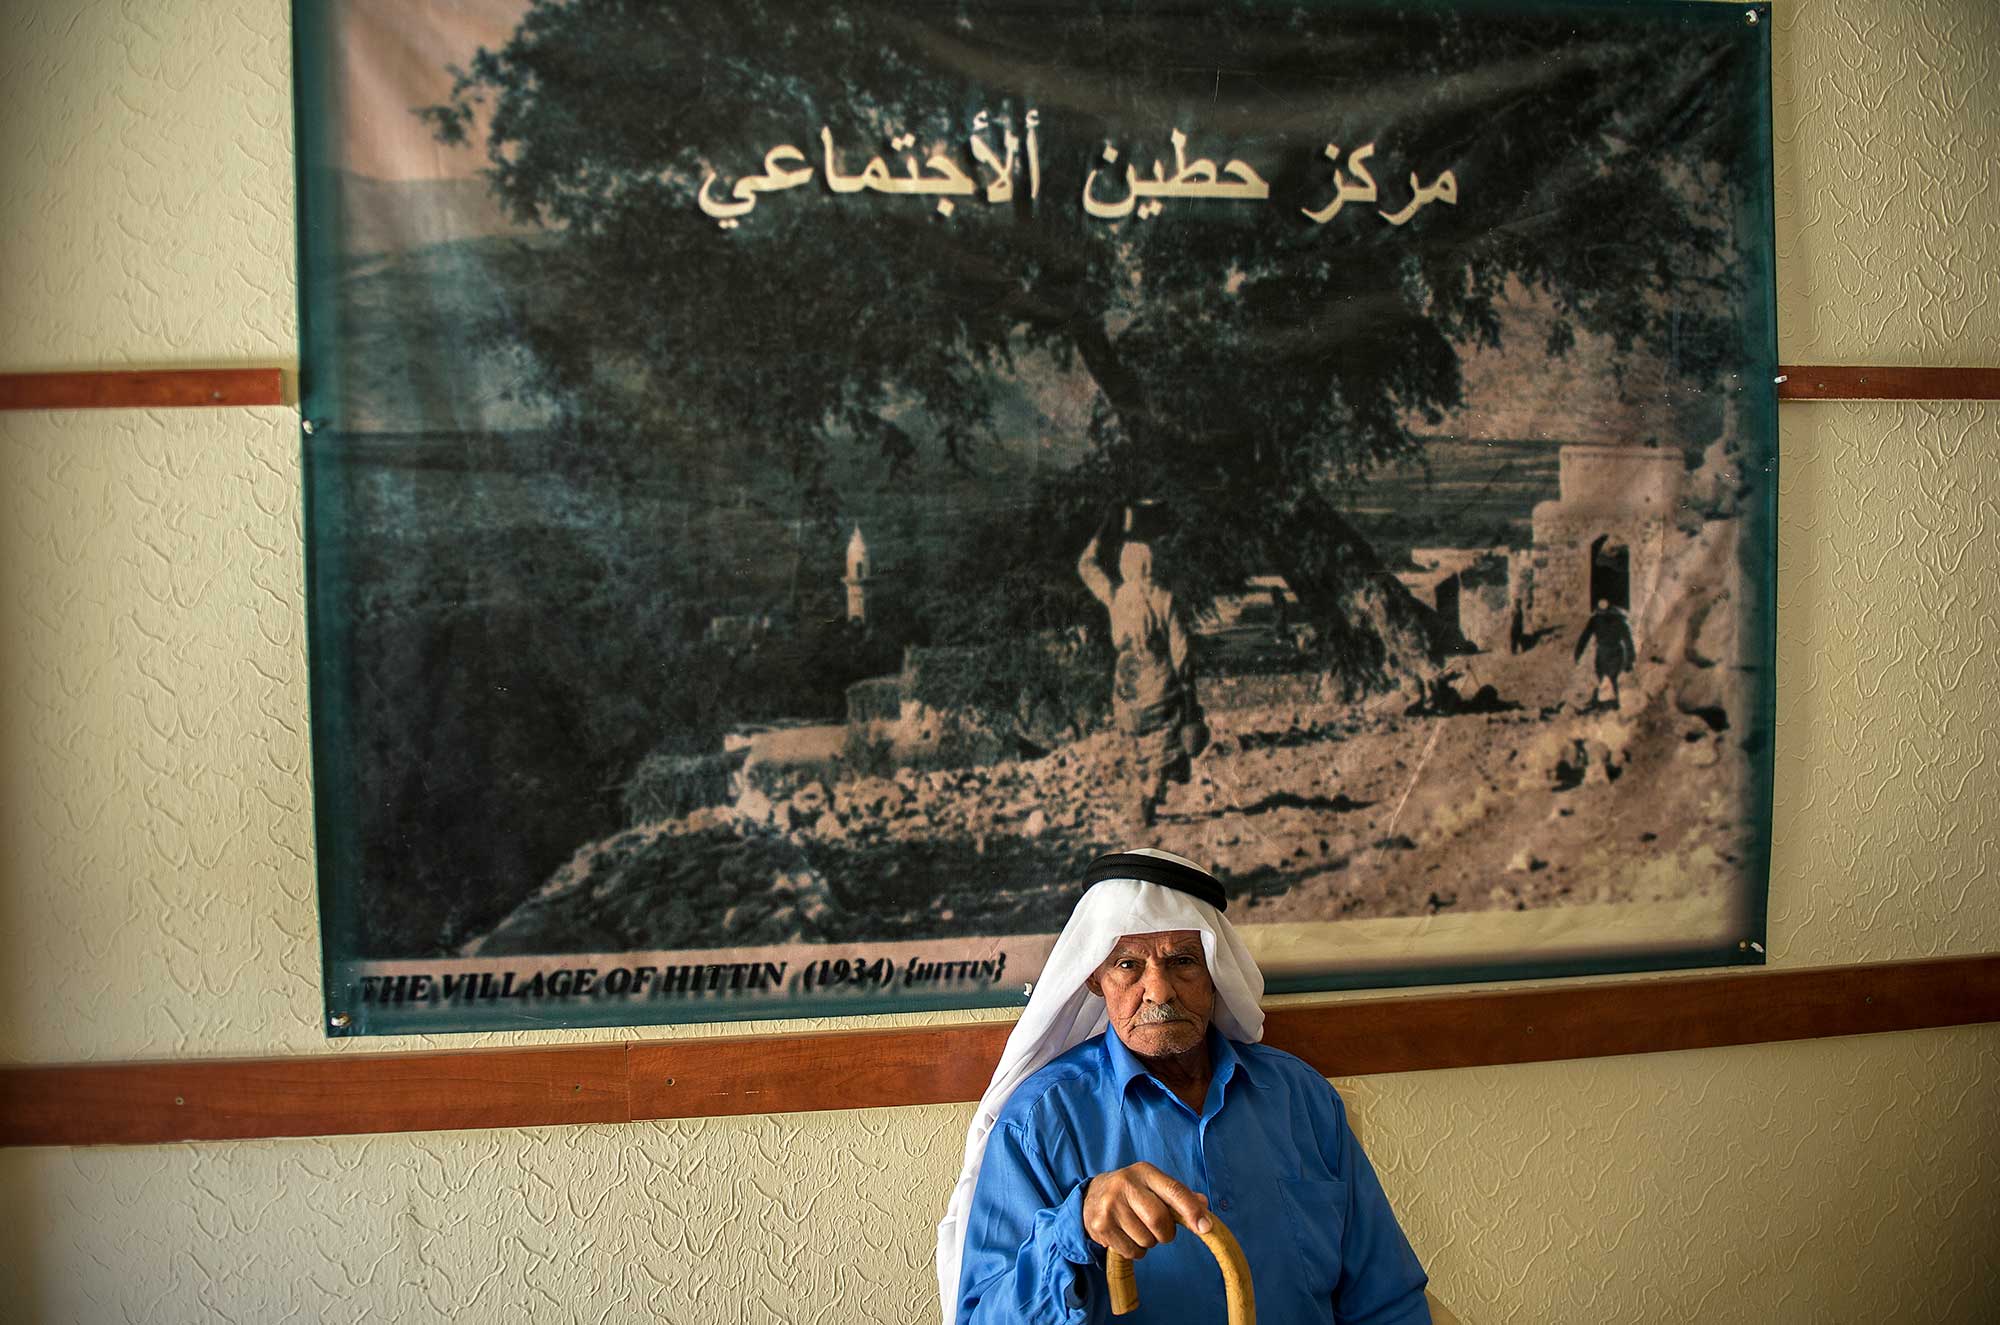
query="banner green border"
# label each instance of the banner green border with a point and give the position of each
(315, 50)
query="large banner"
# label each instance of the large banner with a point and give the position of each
(790, 484)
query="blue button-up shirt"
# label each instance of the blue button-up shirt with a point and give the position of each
(1271, 1148)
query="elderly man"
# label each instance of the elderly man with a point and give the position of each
(1087, 1141)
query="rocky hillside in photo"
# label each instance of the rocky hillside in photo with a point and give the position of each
(1503, 786)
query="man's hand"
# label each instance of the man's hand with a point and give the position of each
(1131, 1209)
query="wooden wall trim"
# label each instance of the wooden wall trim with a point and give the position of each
(165, 388)
(1863, 382)
(311, 1095)
(335, 1094)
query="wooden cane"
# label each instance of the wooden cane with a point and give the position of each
(1222, 1244)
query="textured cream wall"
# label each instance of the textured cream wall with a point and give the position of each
(156, 895)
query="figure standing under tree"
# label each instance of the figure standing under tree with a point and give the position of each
(1152, 690)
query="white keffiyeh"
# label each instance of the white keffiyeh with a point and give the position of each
(1063, 1013)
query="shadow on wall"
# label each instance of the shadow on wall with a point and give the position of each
(21, 1189)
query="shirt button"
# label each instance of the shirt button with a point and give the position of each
(1223, 1204)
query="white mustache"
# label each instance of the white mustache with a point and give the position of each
(1160, 1012)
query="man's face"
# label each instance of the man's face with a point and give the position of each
(1157, 992)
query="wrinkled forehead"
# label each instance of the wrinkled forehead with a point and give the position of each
(1162, 943)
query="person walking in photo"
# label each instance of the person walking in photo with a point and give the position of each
(1615, 650)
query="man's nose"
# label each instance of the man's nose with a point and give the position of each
(1157, 987)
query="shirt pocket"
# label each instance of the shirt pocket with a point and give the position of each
(1317, 1210)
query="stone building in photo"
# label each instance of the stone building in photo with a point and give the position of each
(1603, 539)
(1469, 587)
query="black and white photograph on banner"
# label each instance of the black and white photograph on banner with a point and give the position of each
(790, 485)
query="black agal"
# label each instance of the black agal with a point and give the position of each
(1197, 883)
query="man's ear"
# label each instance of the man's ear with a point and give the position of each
(1093, 984)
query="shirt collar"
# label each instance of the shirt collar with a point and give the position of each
(1125, 1067)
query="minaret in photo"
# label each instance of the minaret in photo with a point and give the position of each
(858, 572)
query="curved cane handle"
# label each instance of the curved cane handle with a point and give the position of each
(1228, 1255)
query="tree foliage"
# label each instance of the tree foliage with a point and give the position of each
(1248, 363)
